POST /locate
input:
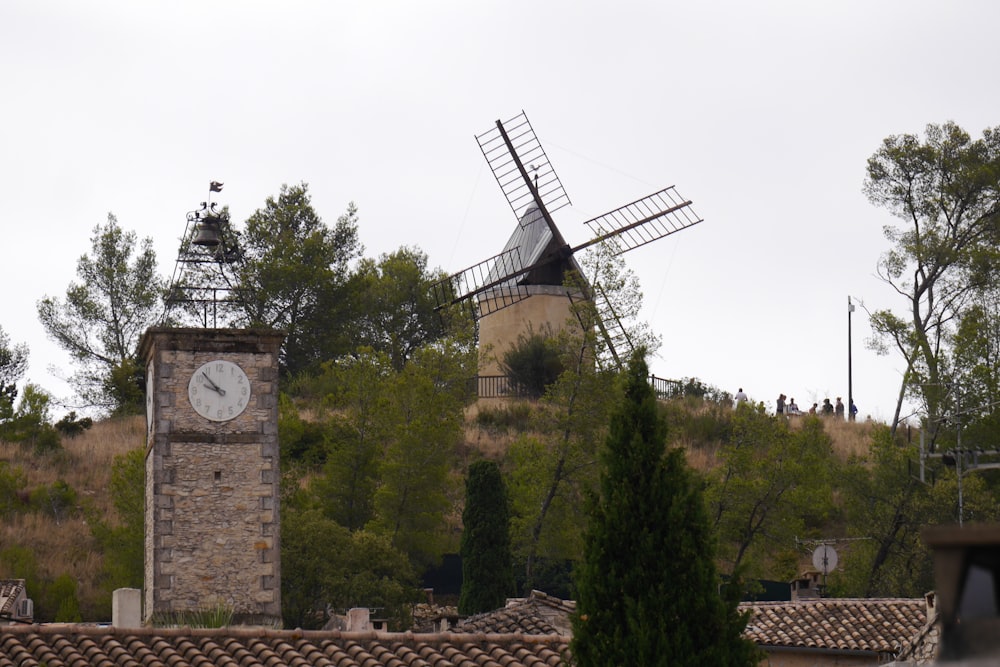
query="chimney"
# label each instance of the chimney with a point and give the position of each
(931, 600)
(358, 619)
(126, 608)
(808, 586)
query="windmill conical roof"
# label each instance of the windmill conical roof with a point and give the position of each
(534, 241)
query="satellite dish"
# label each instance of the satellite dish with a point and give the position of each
(825, 559)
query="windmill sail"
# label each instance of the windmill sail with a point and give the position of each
(520, 165)
(643, 221)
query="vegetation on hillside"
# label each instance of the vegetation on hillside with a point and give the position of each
(378, 425)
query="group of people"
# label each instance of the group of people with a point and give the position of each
(787, 406)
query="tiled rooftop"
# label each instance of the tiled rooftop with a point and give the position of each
(877, 625)
(85, 646)
(538, 614)
(10, 589)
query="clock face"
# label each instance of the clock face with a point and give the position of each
(219, 390)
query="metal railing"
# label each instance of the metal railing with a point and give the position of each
(498, 386)
(665, 388)
(501, 386)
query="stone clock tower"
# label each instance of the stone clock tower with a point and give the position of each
(212, 538)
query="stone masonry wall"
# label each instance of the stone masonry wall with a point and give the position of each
(217, 546)
(212, 515)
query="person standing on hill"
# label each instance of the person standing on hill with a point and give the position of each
(839, 408)
(827, 407)
(780, 405)
(740, 397)
(853, 411)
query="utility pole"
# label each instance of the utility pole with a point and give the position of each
(850, 385)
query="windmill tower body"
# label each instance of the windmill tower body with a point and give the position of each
(546, 305)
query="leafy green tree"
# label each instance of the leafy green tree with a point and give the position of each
(648, 591)
(31, 422)
(103, 317)
(425, 419)
(976, 357)
(13, 364)
(303, 441)
(945, 190)
(358, 402)
(324, 566)
(487, 568)
(616, 287)
(553, 467)
(394, 305)
(887, 506)
(772, 485)
(293, 273)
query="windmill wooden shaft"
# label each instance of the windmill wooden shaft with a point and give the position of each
(522, 287)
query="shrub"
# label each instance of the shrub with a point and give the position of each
(533, 363)
(57, 500)
(12, 480)
(71, 427)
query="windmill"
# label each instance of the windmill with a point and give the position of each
(526, 278)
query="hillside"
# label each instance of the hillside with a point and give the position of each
(58, 540)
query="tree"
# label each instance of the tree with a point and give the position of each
(946, 190)
(325, 566)
(647, 587)
(394, 305)
(13, 364)
(358, 401)
(554, 466)
(425, 418)
(103, 316)
(293, 273)
(772, 484)
(976, 357)
(487, 569)
(31, 421)
(886, 506)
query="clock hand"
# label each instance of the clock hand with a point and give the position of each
(214, 387)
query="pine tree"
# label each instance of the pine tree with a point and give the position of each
(487, 568)
(648, 590)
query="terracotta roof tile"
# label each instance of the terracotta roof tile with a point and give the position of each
(89, 646)
(875, 625)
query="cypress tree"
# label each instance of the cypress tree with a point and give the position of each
(648, 590)
(487, 567)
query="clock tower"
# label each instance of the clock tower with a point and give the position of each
(212, 537)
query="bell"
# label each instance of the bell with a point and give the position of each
(208, 234)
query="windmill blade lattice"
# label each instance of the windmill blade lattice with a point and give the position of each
(511, 169)
(611, 326)
(643, 221)
(494, 282)
(608, 323)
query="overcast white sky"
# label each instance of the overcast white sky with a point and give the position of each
(763, 113)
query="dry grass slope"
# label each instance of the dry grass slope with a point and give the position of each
(66, 546)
